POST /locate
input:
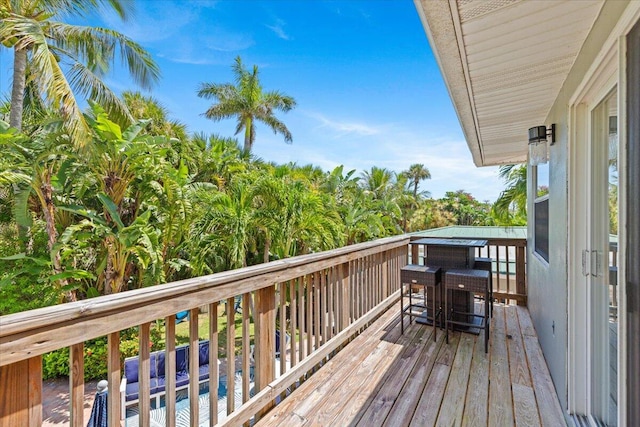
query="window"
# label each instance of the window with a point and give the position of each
(541, 211)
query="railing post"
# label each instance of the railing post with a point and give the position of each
(76, 374)
(415, 254)
(113, 375)
(21, 393)
(265, 335)
(521, 287)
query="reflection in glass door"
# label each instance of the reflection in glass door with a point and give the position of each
(603, 278)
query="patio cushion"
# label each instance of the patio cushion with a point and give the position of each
(203, 350)
(182, 378)
(133, 388)
(181, 366)
(132, 364)
(182, 358)
(203, 372)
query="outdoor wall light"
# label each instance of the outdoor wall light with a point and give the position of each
(538, 143)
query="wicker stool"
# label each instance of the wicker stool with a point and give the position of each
(486, 264)
(416, 277)
(476, 281)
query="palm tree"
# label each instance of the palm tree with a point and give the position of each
(416, 173)
(66, 61)
(247, 101)
(378, 181)
(147, 107)
(511, 206)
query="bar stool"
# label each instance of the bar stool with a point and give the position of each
(421, 277)
(476, 281)
(486, 264)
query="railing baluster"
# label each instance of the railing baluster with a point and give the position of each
(282, 287)
(301, 318)
(358, 297)
(170, 369)
(498, 281)
(194, 359)
(213, 363)
(331, 302)
(346, 296)
(144, 376)
(316, 309)
(231, 355)
(245, 346)
(521, 287)
(308, 309)
(293, 321)
(508, 269)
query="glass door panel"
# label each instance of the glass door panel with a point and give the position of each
(603, 277)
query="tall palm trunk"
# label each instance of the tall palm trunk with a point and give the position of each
(17, 90)
(248, 143)
(49, 212)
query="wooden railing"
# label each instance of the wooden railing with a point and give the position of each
(509, 266)
(320, 301)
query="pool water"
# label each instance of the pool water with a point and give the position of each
(158, 415)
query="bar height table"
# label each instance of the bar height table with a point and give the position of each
(451, 254)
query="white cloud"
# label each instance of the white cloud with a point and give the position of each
(278, 29)
(390, 146)
(160, 24)
(343, 128)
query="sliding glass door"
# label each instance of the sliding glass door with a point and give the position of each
(602, 274)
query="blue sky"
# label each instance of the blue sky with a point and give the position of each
(368, 88)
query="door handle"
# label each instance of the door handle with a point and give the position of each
(585, 259)
(596, 259)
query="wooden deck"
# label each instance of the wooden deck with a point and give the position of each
(385, 378)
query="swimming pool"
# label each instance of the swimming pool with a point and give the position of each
(158, 415)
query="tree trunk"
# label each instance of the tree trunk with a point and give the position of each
(267, 248)
(248, 143)
(49, 211)
(17, 90)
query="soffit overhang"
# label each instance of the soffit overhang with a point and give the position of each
(504, 63)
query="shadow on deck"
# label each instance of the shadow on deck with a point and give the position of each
(385, 378)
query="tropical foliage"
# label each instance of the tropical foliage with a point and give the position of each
(135, 207)
(121, 196)
(56, 63)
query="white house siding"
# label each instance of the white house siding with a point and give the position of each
(548, 283)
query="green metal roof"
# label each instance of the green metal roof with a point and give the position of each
(472, 232)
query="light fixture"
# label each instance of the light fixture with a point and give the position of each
(538, 143)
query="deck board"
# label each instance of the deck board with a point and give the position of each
(452, 406)
(429, 405)
(385, 378)
(409, 396)
(362, 382)
(475, 409)
(332, 374)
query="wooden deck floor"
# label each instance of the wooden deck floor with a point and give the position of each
(384, 378)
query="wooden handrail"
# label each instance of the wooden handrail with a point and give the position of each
(35, 332)
(510, 285)
(316, 302)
